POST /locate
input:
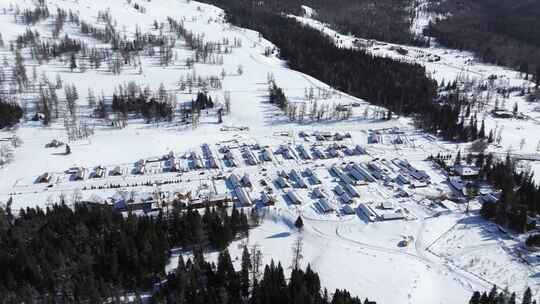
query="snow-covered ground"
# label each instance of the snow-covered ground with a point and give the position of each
(519, 136)
(444, 257)
(109, 145)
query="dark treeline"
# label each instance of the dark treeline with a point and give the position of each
(10, 114)
(494, 296)
(85, 254)
(519, 196)
(200, 282)
(505, 32)
(401, 87)
(386, 20)
(456, 122)
(33, 16)
(148, 107)
(202, 102)
(277, 97)
(55, 49)
(132, 99)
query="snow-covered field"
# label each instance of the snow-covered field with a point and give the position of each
(447, 254)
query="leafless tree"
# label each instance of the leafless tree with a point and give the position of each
(256, 262)
(297, 250)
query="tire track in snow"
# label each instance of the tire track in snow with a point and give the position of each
(464, 280)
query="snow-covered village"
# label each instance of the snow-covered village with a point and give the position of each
(175, 151)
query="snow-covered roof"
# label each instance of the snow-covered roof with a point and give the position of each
(466, 170)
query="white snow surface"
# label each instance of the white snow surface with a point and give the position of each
(447, 257)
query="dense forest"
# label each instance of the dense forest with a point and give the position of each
(10, 114)
(495, 296)
(90, 254)
(519, 196)
(87, 254)
(385, 20)
(505, 32)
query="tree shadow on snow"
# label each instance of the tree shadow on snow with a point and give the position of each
(279, 235)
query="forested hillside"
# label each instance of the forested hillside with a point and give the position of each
(89, 254)
(385, 20)
(503, 32)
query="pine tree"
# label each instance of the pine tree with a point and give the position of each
(299, 223)
(225, 269)
(482, 132)
(72, 62)
(491, 136)
(457, 160)
(475, 299)
(527, 296)
(244, 272)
